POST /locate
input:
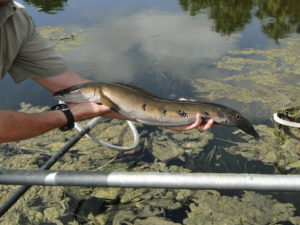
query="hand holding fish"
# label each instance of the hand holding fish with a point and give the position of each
(198, 124)
(86, 110)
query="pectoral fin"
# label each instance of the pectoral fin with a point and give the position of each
(107, 102)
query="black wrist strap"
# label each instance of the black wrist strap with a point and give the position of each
(70, 118)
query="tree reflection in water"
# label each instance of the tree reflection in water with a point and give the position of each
(278, 18)
(48, 6)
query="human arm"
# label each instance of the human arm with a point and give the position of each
(15, 126)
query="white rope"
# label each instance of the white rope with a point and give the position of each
(114, 147)
(285, 122)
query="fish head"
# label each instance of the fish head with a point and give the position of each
(231, 118)
(245, 125)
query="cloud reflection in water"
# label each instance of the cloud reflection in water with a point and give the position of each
(170, 42)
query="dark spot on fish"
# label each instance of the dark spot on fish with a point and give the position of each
(144, 107)
(163, 111)
(206, 113)
(182, 113)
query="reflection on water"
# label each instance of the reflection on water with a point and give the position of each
(278, 18)
(132, 45)
(228, 16)
(48, 6)
(134, 42)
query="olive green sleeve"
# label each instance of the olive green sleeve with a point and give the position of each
(36, 57)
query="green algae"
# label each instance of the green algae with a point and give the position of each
(267, 79)
(268, 149)
(63, 39)
(209, 207)
(285, 133)
(278, 97)
(154, 220)
(269, 76)
(167, 144)
(61, 205)
(266, 83)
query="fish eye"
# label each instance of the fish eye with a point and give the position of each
(237, 116)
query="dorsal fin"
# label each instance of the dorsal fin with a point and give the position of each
(141, 90)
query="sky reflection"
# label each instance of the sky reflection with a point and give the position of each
(166, 41)
(133, 41)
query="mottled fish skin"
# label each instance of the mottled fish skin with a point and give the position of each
(147, 108)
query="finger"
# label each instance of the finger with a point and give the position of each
(197, 122)
(103, 107)
(207, 125)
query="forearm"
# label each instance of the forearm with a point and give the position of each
(18, 125)
(62, 81)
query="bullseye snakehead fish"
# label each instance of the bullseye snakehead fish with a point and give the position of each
(147, 108)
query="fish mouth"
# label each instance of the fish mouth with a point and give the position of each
(243, 124)
(246, 126)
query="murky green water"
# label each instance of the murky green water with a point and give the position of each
(244, 54)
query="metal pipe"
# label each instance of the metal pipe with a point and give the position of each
(225, 181)
(22, 190)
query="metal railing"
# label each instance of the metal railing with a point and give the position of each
(219, 181)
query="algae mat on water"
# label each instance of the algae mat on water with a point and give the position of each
(270, 76)
(64, 39)
(264, 81)
(118, 206)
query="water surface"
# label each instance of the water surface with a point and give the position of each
(244, 54)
